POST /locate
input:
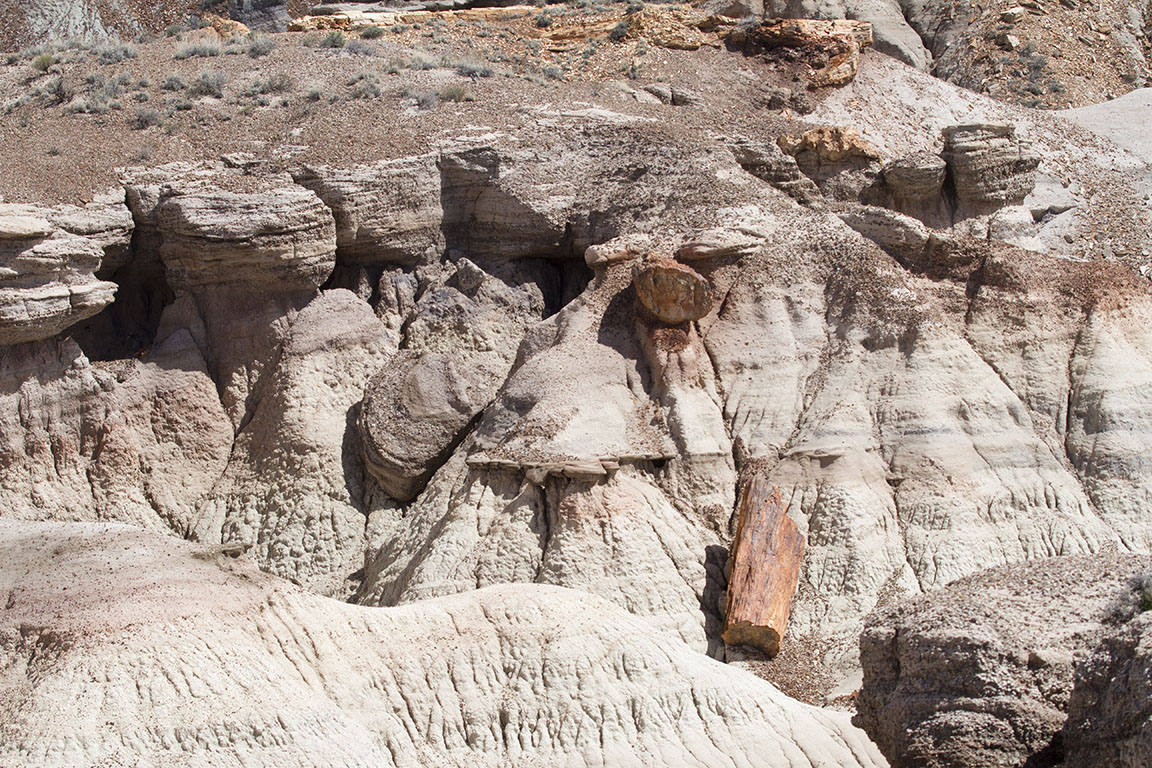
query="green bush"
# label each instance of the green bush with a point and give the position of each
(365, 85)
(173, 83)
(334, 39)
(260, 45)
(42, 62)
(146, 118)
(372, 32)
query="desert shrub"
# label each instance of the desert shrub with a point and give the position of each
(552, 72)
(619, 32)
(314, 94)
(424, 99)
(199, 48)
(140, 97)
(398, 28)
(277, 83)
(173, 83)
(633, 7)
(55, 92)
(172, 30)
(473, 69)
(208, 84)
(260, 45)
(146, 118)
(543, 20)
(372, 33)
(365, 85)
(43, 61)
(334, 39)
(454, 93)
(113, 53)
(53, 150)
(360, 48)
(420, 61)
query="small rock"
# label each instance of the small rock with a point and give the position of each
(660, 91)
(1012, 15)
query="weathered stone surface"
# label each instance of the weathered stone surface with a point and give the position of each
(281, 240)
(1110, 709)
(767, 161)
(989, 166)
(673, 292)
(294, 679)
(833, 46)
(294, 487)
(386, 213)
(764, 569)
(916, 177)
(979, 674)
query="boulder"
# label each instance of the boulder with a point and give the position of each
(831, 47)
(673, 292)
(413, 413)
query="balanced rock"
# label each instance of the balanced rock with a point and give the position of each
(673, 292)
(990, 167)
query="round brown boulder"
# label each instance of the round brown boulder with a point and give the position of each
(673, 292)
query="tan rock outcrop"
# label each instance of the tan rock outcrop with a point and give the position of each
(764, 569)
(281, 240)
(386, 213)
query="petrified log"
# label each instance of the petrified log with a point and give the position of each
(764, 569)
(672, 292)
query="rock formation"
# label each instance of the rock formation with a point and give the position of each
(1010, 667)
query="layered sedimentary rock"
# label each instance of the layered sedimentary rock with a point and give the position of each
(989, 165)
(981, 672)
(47, 276)
(281, 239)
(387, 213)
(204, 660)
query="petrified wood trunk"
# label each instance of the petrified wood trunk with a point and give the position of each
(764, 569)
